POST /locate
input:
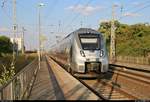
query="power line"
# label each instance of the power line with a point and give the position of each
(4, 10)
(136, 5)
(142, 8)
(112, 43)
(138, 10)
(77, 3)
(60, 21)
(52, 9)
(76, 16)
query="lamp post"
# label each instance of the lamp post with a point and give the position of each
(39, 49)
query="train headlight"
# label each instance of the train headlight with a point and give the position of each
(101, 53)
(82, 53)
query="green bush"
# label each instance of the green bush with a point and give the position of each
(5, 45)
(131, 40)
(8, 70)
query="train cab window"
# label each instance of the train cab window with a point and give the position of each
(90, 41)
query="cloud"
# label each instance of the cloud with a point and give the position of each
(131, 14)
(84, 10)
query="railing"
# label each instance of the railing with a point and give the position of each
(134, 60)
(19, 86)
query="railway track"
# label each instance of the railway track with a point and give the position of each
(135, 82)
(138, 75)
(136, 69)
(103, 89)
(108, 91)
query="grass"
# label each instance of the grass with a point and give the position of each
(7, 71)
(21, 61)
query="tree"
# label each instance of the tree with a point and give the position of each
(5, 45)
(105, 28)
(130, 39)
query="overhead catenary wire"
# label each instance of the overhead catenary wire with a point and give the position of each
(138, 10)
(76, 4)
(130, 9)
(60, 21)
(4, 10)
(6, 14)
(76, 16)
(54, 4)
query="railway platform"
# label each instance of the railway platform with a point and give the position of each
(54, 83)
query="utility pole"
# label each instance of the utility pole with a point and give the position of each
(14, 43)
(22, 41)
(39, 53)
(14, 29)
(112, 43)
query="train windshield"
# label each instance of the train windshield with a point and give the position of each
(90, 41)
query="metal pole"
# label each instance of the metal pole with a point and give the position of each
(14, 44)
(22, 40)
(39, 54)
(112, 45)
(14, 28)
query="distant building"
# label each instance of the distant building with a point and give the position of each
(19, 42)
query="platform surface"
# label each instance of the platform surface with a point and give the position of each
(54, 83)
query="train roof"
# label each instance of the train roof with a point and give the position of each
(82, 31)
(86, 30)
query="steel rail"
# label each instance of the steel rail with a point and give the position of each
(137, 69)
(94, 91)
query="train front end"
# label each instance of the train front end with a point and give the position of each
(91, 55)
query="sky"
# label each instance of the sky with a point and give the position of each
(61, 17)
